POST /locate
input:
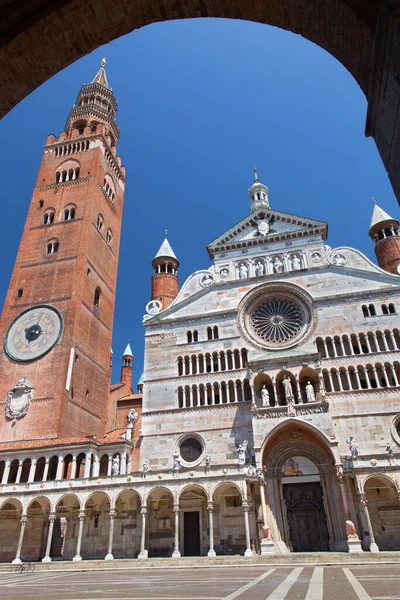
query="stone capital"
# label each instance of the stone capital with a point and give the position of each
(82, 515)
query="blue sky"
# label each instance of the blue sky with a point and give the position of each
(200, 102)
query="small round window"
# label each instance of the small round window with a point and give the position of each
(191, 449)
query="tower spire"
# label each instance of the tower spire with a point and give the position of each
(258, 194)
(384, 231)
(165, 282)
(95, 104)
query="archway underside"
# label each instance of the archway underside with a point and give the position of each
(41, 38)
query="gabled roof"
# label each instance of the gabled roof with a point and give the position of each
(266, 226)
(165, 251)
(379, 215)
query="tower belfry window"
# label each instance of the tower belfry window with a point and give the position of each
(99, 224)
(96, 300)
(69, 213)
(48, 217)
(52, 247)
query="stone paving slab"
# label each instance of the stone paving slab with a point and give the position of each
(252, 583)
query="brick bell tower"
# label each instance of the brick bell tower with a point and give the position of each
(165, 282)
(384, 231)
(58, 313)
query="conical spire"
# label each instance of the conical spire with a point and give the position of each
(128, 350)
(258, 194)
(379, 215)
(165, 250)
(101, 76)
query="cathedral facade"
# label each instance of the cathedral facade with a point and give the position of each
(267, 419)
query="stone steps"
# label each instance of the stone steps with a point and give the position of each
(306, 558)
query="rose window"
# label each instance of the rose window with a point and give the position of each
(277, 320)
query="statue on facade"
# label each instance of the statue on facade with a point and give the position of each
(264, 396)
(115, 465)
(145, 467)
(176, 461)
(353, 446)
(351, 530)
(259, 268)
(208, 461)
(241, 455)
(287, 385)
(243, 271)
(277, 264)
(131, 417)
(390, 453)
(296, 263)
(310, 393)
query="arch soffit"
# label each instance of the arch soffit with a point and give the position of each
(227, 484)
(14, 501)
(159, 487)
(64, 496)
(129, 491)
(101, 494)
(42, 500)
(193, 486)
(380, 476)
(345, 19)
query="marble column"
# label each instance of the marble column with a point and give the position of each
(96, 466)
(325, 348)
(143, 552)
(109, 555)
(248, 551)
(17, 560)
(60, 466)
(109, 465)
(353, 540)
(52, 518)
(176, 553)
(73, 467)
(18, 478)
(88, 460)
(78, 556)
(6, 472)
(373, 547)
(267, 544)
(210, 508)
(46, 469)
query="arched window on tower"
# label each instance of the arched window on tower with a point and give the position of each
(69, 213)
(48, 217)
(52, 246)
(209, 333)
(189, 337)
(100, 222)
(108, 236)
(215, 332)
(96, 299)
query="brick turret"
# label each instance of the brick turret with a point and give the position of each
(165, 282)
(384, 231)
(126, 370)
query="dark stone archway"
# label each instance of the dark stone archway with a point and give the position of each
(38, 38)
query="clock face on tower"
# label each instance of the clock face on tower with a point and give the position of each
(33, 333)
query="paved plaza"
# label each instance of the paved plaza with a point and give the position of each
(226, 583)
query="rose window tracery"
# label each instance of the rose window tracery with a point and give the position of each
(277, 320)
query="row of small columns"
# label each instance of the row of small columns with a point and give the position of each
(216, 386)
(367, 380)
(197, 359)
(143, 551)
(124, 467)
(357, 337)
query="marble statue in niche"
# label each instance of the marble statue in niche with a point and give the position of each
(310, 392)
(278, 265)
(115, 465)
(259, 268)
(243, 271)
(176, 461)
(296, 263)
(264, 396)
(287, 386)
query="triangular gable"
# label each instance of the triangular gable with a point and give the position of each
(266, 226)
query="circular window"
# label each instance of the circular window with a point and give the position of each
(191, 450)
(277, 320)
(276, 317)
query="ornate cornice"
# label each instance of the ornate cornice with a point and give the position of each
(194, 409)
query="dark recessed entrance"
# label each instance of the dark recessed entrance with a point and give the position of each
(191, 533)
(306, 517)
